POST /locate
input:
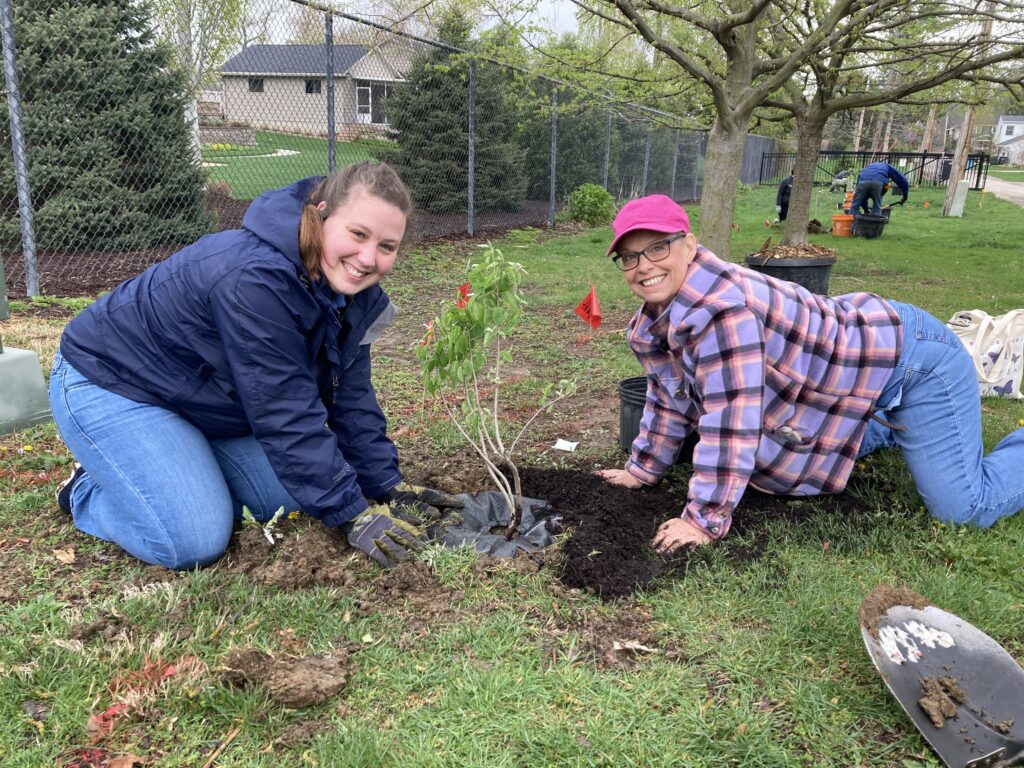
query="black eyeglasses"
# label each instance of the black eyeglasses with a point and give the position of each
(656, 251)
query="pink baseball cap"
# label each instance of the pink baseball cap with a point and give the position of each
(657, 213)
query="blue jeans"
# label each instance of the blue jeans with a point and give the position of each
(864, 192)
(933, 394)
(153, 483)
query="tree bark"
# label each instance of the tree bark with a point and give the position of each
(722, 162)
(809, 130)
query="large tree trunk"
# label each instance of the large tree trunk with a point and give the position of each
(809, 130)
(722, 164)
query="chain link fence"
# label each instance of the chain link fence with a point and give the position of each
(128, 134)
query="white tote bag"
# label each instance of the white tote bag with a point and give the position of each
(997, 346)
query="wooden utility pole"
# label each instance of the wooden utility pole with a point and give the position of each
(929, 124)
(963, 144)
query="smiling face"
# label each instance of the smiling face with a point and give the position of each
(361, 238)
(657, 283)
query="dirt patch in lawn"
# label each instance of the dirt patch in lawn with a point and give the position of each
(607, 551)
(293, 682)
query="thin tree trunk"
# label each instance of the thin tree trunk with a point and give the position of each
(876, 142)
(722, 163)
(888, 129)
(860, 130)
(963, 149)
(809, 130)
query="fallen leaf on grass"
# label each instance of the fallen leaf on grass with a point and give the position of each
(66, 556)
(632, 646)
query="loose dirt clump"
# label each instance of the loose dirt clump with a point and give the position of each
(306, 554)
(881, 599)
(941, 695)
(293, 682)
(106, 625)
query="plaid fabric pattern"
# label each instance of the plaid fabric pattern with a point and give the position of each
(779, 382)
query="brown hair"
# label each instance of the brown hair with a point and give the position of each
(378, 179)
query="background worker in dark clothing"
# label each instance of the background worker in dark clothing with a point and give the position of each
(782, 200)
(870, 185)
(782, 197)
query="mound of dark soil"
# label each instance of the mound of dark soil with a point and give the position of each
(607, 552)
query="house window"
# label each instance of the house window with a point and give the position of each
(313, 86)
(370, 100)
(255, 85)
(1009, 130)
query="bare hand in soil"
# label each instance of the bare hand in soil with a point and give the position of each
(677, 533)
(619, 477)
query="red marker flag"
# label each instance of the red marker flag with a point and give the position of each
(590, 310)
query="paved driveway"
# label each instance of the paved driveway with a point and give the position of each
(1008, 190)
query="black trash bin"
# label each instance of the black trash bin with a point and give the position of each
(632, 396)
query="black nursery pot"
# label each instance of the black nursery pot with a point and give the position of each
(812, 274)
(632, 396)
(868, 226)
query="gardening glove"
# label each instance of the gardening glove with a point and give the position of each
(384, 536)
(426, 502)
(903, 200)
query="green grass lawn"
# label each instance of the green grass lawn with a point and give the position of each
(1008, 172)
(277, 160)
(756, 662)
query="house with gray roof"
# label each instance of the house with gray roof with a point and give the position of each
(283, 87)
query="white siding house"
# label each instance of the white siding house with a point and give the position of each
(1009, 139)
(283, 87)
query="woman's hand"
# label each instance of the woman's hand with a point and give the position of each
(676, 534)
(619, 477)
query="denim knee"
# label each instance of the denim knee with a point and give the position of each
(183, 556)
(975, 514)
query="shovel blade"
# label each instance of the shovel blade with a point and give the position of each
(935, 661)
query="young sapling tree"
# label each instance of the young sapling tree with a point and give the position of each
(463, 353)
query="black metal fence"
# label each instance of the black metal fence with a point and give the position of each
(923, 169)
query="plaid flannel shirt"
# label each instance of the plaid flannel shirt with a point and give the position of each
(778, 382)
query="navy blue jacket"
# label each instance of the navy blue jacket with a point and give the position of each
(884, 172)
(231, 334)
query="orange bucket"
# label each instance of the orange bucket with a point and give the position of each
(842, 225)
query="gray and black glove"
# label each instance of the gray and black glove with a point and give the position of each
(426, 504)
(384, 536)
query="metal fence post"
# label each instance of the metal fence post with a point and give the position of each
(28, 237)
(329, 47)
(675, 163)
(647, 160)
(471, 165)
(607, 149)
(696, 163)
(554, 155)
